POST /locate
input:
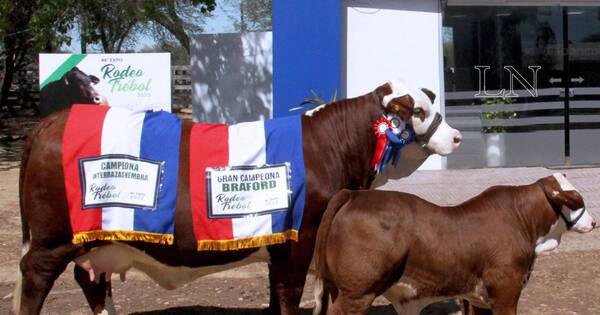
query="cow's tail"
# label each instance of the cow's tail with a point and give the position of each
(26, 240)
(321, 296)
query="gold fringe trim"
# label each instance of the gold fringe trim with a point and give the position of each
(250, 242)
(99, 235)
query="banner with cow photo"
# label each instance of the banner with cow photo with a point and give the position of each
(134, 81)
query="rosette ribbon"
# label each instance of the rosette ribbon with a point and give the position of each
(391, 138)
(380, 127)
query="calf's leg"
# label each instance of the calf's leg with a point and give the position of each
(504, 289)
(347, 304)
(474, 310)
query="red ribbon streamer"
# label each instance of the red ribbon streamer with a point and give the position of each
(379, 127)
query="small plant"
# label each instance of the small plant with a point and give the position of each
(313, 102)
(491, 116)
(317, 100)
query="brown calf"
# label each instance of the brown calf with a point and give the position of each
(415, 253)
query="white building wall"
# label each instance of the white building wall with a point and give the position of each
(388, 39)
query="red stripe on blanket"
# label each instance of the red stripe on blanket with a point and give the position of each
(81, 138)
(209, 147)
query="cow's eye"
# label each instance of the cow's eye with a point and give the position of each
(417, 111)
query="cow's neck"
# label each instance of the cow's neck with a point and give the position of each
(340, 139)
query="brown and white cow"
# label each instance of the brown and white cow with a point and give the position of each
(415, 253)
(338, 142)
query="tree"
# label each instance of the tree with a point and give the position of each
(252, 15)
(28, 26)
(112, 23)
(177, 16)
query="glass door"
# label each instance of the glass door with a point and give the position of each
(582, 25)
(510, 114)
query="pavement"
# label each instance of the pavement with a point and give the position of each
(450, 187)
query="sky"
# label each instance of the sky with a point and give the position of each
(218, 22)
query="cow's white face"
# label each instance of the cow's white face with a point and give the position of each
(445, 139)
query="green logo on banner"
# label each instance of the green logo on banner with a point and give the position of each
(124, 80)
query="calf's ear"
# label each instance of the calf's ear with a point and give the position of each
(558, 197)
(94, 79)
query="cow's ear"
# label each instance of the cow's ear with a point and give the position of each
(402, 106)
(94, 79)
(381, 91)
(429, 94)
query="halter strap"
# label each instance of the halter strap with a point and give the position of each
(435, 124)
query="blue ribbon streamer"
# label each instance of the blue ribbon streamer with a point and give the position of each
(394, 147)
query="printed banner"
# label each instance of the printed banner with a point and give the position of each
(115, 159)
(245, 191)
(134, 81)
(119, 180)
(221, 219)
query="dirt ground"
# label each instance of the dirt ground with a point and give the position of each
(565, 281)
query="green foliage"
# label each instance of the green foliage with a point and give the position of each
(495, 116)
(317, 100)
(113, 23)
(251, 15)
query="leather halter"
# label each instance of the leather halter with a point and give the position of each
(433, 127)
(558, 210)
(424, 138)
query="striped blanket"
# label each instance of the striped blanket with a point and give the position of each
(121, 176)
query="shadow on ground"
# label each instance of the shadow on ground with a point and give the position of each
(447, 307)
(203, 310)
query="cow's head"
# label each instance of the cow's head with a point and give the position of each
(416, 107)
(80, 86)
(567, 203)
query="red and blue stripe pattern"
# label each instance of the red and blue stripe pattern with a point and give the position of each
(93, 131)
(255, 143)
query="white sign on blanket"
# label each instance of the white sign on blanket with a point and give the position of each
(241, 191)
(119, 181)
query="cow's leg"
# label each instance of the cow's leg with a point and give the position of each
(286, 285)
(40, 267)
(98, 295)
(287, 273)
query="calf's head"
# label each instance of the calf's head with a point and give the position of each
(569, 208)
(416, 107)
(80, 87)
(567, 203)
